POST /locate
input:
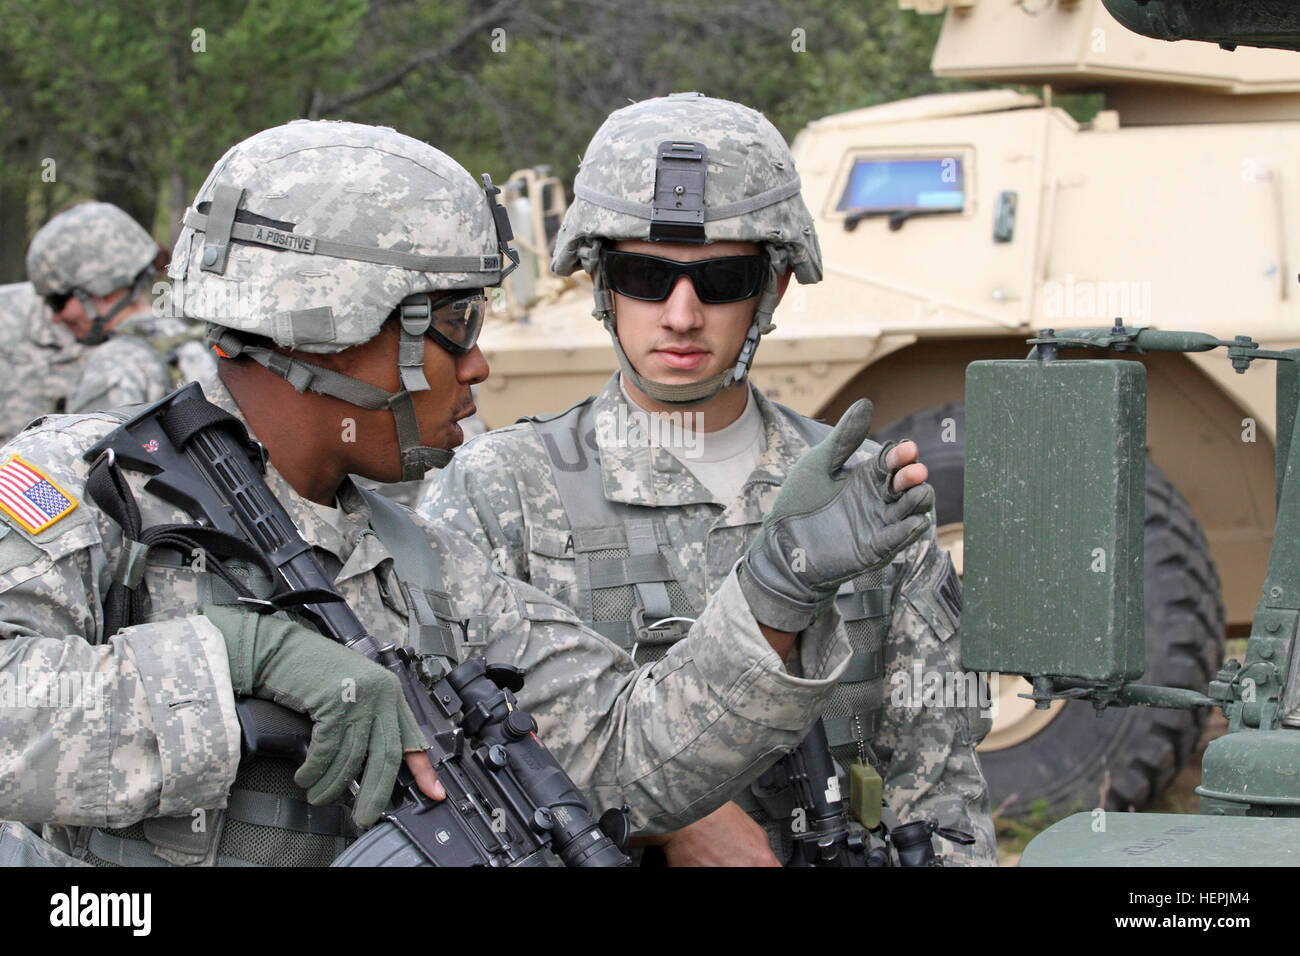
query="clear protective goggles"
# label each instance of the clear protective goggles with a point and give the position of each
(456, 317)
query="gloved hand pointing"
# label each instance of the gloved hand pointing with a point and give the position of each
(831, 522)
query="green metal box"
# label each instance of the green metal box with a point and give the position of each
(1054, 506)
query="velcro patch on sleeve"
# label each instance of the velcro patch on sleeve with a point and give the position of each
(949, 590)
(30, 498)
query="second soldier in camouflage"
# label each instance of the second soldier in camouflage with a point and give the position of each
(636, 529)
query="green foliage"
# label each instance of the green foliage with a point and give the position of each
(1015, 833)
(135, 107)
(126, 96)
(1081, 106)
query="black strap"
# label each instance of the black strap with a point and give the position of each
(184, 419)
(217, 546)
(107, 487)
(123, 605)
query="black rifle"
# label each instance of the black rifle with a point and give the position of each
(819, 827)
(507, 796)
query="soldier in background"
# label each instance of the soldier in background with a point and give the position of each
(40, 361)
(358, 359)
(688, 216)
(96, 267)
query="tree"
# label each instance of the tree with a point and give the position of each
(134, 102)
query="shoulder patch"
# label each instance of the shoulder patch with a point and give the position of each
(16, 551)
(30, 498)
(934, 592)
(949, 590)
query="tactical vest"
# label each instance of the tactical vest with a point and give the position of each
(267, 820)
(630, 586)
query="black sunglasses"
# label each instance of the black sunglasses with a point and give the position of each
(57, 301)
(716, 281)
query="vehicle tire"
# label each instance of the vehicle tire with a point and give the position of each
(1070, 759)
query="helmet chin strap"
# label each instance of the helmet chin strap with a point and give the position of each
(417, 459)
(99, 323)
(691, 393)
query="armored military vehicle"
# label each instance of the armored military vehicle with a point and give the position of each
(953, 225)
(1053, 498)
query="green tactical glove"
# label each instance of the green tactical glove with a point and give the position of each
(828, 525)
(357, 705)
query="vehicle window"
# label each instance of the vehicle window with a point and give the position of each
(932, 183)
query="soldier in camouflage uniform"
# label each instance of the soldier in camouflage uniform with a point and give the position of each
(95, 266)
(637, 533)
(356, 357)
(41, 361)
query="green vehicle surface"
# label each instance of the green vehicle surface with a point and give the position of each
(1054, 584)
(1054, 557)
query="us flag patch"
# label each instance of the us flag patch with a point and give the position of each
(30, 498)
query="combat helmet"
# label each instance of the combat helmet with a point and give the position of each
(90, 250)
(689, 168)
(312, 234)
